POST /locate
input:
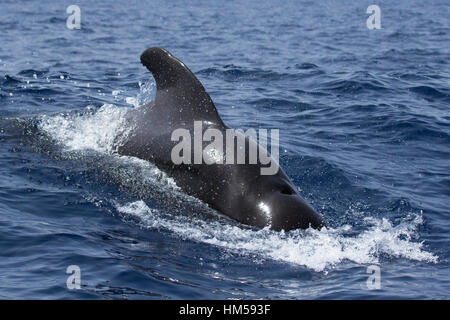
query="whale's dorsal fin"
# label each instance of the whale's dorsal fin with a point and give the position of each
(178, 88)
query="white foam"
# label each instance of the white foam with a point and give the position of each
(102, 130)
(95, 130)
(317, 250)
(88, 130)
(132, 100)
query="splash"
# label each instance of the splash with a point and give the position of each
(95, 130)
(318, 250)
(147, 91)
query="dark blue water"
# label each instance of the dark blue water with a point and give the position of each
(365, 135)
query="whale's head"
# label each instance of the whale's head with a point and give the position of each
(271, 200)
(258, 192)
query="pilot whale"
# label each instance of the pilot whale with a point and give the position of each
(237, 190)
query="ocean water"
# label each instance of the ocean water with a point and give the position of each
(364, 126)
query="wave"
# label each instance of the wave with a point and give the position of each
(429, 92)
(233, 73)
(353, 86)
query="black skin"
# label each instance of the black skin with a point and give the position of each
(236, 190)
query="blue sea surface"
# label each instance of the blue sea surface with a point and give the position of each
(364, 120)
